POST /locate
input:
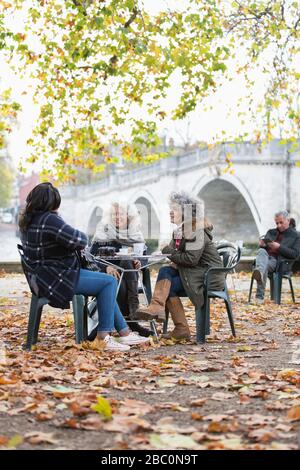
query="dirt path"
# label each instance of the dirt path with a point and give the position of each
(238, 393)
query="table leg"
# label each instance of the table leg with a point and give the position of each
(119, 283)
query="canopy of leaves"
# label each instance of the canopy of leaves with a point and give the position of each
(103, 69)
(6, 181)
(8, 115)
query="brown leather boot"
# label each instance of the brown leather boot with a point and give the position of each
(181, 330)
(156, 309)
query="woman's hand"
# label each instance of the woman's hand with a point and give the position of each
(137, 264)
(173, 265)
(113, 272)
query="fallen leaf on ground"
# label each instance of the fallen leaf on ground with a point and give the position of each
(40, 438)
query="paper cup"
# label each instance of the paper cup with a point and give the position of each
(138, 248)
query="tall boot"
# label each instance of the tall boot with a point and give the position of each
(181, 330)
(156, 309)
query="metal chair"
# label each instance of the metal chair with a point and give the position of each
(79, 303)
(276, 281)
(231, 255)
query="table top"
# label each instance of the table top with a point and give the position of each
(149, 260)
(131, 257)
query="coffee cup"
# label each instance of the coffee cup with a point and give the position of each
(138, 248)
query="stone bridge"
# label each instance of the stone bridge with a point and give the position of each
(240, 203)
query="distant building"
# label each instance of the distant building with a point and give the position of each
(26, 184)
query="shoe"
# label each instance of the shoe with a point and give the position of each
(113, 344)
(257, 275)
(132, 339)
(141, 330)
(152, 312)
(259, 301)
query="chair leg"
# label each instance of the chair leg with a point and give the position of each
(85, 318)
(200, 324)
(33, 321)
(38, 321)
(292, 289)
(277, 279)
(165, 326)
(207, 317)
(271, 287)
(230, 316)
(78, 302)
(250, 290)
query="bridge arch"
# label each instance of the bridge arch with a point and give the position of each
(94, 219)
(230, 207)
(146, 206)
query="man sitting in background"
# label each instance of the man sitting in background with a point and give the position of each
(279, 244)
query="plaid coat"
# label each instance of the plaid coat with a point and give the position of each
(50, 247)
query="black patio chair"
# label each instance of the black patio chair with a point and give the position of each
(79, 303)
(231, 255)
(283, 271)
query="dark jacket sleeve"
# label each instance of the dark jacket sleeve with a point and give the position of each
(66, 235)
(270, 234)
(189, 257)
(291, 252)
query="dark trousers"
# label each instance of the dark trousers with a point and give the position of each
(128, 299)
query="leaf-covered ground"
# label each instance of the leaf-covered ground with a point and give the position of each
(238, 393)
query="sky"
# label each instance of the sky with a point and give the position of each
(216, 114)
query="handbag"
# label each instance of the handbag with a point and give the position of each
(88, 261)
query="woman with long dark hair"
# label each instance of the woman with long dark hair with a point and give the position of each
(50, 248)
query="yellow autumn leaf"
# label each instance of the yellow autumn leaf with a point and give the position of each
(103, 408)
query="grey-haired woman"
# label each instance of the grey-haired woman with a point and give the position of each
(121, 227)
(192, 253)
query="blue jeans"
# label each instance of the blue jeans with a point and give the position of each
(104, 288)
(176, 289)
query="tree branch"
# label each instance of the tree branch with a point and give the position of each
(135, 13)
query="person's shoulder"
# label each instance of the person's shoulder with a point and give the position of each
(104, 228)
(293, 231)
(53, 219)
(297, 232)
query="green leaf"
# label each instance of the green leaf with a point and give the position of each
(15, 441)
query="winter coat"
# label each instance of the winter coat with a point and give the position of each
(50, 247)
(193, 257)
(289, 249)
